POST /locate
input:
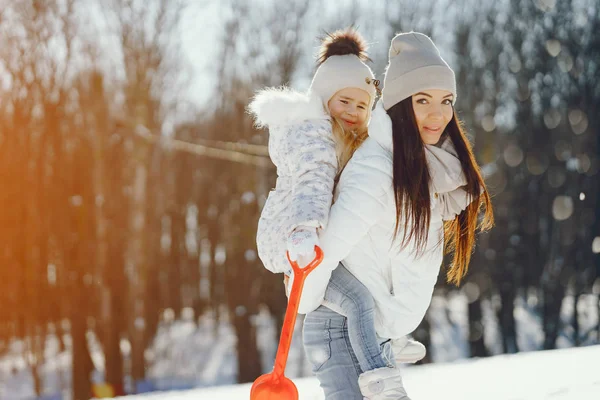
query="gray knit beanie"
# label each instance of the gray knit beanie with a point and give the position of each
(414, 65)
(339, 72)
(342, 65)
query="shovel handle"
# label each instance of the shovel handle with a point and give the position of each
(292, 310)
(311, 266)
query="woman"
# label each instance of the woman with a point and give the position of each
(415, 171)
(312, 136)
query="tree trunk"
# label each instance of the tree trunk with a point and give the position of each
(152, 298)
(553, 287)
(175, 261)
(506, 318)
(249, 367)
(139, 260)
(215, 298)
(138, 361)
(576, 328)
(82, 361)
(476, 343)
(579, 277)
(596, 228)
(38, 351)
(553, 296)
(115, 326)
(117, 288)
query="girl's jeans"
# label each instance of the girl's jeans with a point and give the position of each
(341, 345)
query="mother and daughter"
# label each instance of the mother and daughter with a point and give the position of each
(384, 193)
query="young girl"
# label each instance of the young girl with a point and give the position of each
(415, 171)
(312, 137)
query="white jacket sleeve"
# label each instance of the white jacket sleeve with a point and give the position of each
(359, 205)
(314, 162)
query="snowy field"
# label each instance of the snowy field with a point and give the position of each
(199, 354)
(566, 374)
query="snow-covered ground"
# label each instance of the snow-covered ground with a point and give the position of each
(200, 353)
(566, 374)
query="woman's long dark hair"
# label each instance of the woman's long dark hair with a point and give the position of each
(411, 180)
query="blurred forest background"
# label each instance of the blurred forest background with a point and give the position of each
(124, 204)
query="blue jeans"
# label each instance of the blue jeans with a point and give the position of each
(347, 296)
(341, 348)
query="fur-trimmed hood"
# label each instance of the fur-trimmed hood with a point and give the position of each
(285, 106)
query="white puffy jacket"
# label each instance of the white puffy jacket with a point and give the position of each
(302, 148)
(361, 228)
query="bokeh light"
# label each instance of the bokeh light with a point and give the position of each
(562, 208)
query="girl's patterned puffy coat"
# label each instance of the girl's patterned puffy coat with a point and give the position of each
(302, 148)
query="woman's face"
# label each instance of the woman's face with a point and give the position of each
(351, 106)
(433, 110)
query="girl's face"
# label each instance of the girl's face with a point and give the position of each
(351, 106)
(433, 110)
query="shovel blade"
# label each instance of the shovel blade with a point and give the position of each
(270, 387)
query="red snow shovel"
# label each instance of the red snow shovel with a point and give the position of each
(274, 385)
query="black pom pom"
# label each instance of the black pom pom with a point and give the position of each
(343, 42)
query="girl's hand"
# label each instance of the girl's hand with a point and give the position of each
(301, 244)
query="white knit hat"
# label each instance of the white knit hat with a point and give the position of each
(340, 72)
(342, 56)
(414, 65)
